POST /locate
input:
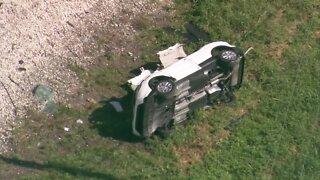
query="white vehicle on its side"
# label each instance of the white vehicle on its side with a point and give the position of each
(167, 95)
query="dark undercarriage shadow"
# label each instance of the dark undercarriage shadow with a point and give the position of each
(118, 125)
(113, 124)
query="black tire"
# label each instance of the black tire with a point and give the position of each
(228, 97)
(225, 53)
(165, 131)
(228, 55)
(165, 86)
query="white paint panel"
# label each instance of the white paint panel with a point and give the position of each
(204, 53)
(181, 69)
(171, 55)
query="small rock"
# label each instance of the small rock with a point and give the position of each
(135, 58)
(22, 69)
(130, 54)
(66, 129)
(90, 100)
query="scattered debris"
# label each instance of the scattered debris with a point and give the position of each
(171, 55)
(117, 106)
(66, 129)
(248, 50)
(91, 100)
(79, 121)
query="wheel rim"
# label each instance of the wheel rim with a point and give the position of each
(164, 87)
(229, 55)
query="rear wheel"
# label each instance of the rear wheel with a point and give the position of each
(228, 55)
(225, 54)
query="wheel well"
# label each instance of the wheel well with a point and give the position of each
(216, 51)
(164, 77)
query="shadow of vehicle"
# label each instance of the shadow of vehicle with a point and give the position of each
(113, 124)
(117, 125)
(192, 33)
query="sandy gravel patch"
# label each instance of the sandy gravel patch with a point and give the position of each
(39, 39)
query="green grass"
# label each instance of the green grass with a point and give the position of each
(278, 136)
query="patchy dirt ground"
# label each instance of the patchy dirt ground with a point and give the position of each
(39, 39)
(195, 152)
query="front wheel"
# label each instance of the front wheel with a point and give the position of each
(165, 86)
